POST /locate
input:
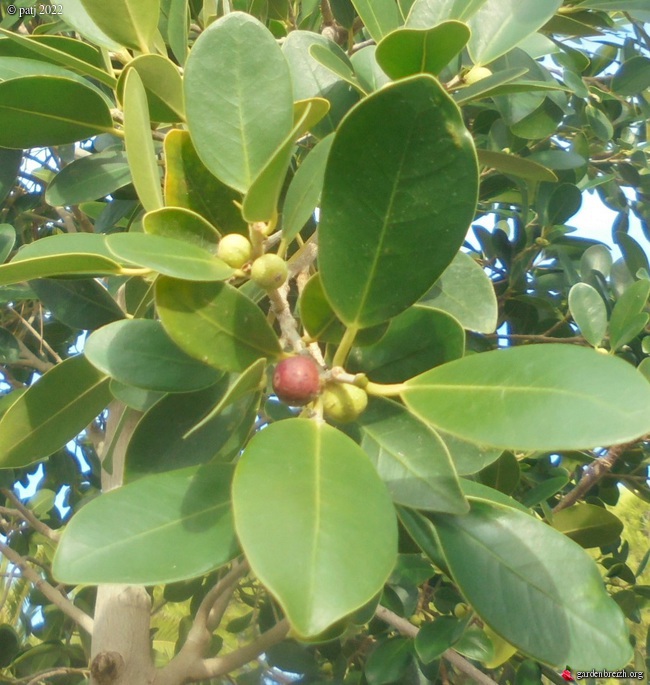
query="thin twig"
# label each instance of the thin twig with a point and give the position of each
(36, 334)
(53, 672)
(407, 628)
(288, 325)
(537, 338)
(29, 517)
(61, 601)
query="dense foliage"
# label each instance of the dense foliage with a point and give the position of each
(375, 197)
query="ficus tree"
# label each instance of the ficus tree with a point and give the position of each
(305, 369)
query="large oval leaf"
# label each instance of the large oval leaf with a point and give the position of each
(182, 224)
(238, 120)
(131, 23)
(39, 111)
(215, 323)
(337, 548)
(588, 525)
(506, 564)
(536, 397)
(139, 352)
(589, 312)
(52, 411)
(170, 526)
(400, 191)
(410, 458)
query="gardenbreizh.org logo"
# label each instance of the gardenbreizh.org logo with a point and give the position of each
(568, 675)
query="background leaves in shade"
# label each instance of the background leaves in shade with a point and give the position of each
(171, 526)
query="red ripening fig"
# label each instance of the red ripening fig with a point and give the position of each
(296, 381)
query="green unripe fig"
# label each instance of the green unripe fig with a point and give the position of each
(269, 271)
(477, 74)
(343, 402)
(235, 249)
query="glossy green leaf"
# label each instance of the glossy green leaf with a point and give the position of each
(63, 244)
(468, 457)
(465, 292)
(135, 398)
(305, 189)
(165, 438)
(131, 23)
(589, 312)
(57, 265)
(190, 185)
(427, 13)
(588, 525)
(410, 458)
(388, 661)
(502, 81)
(139, 144)
(599, 123)
(169, 256)
(499, 25)
(78, 303)
(38, 111)
(416, 340)
(505, 563)
(182, 224)
(341, 548)
(178, 27)
(9, 166)
(435, 637)
(238, 121)
(474, 490)
(215, 323)
(52, 411)
(9, 347)
(632, 77)
(414, 51)
(163, 85)
(89, 178)
(544, 490)
(520, 397)
(415, 170)
(503, 474)
(76, 16)
(380, 17)
(7, 237)
(370, 75)
(633, 254)
(170, 526)
(628, 318)
(10, 645)
(140, 353)
(515, 166)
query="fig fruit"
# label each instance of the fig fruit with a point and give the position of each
(235, 249)
(343, 402)
(269, 271)
(296, 380)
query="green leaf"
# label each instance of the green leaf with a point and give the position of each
(39, 111)
(332, 57)
(513, 586)
(78, 18)
(131, 23)
(190, 185)
(413, 51)
(520, 397)
(305, 189)
(7, 236)
(52, 412)
(170, 526)
(502, 81)
(139, 144)
(9, 167)
(380, 17)
(468, 457)
(427, 13)
(168, 437)
(628, 318)
(89, 178)
(544, 490)
(370, 75)
(387, 208)
(515, 166)
(416, 340)
(599, 123)
(503, 474)
(341, 549)
(9, 347)
(589, 312)
(169, 256)
(182, 224)
(135, 398)
(465, 292)
(10, 645)
(139, 352)
(632, 77)
(410, 458)
(588, 525)
(57, 265)
(435, 637)
(215, 323)
(564, 202)
(388, 661)
(499, 25)
(78, 303)
(163, 85)
(238, 121)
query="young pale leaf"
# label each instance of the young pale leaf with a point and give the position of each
(239, 120)
(131, 23)
(589, 312)
(520, 398)
(39, 111)
(52, 412)
(506, 564)
(337, 548)
(215, 323)
(410, 458)
(139, 143)
(170, 526)
(400, 191)
(139, 352)
(465, 292)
